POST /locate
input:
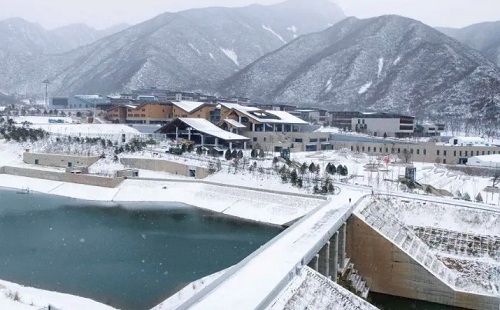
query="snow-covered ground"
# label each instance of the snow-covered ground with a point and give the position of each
(311, 290)
(458, 244)
(259, 206)
(17, 297)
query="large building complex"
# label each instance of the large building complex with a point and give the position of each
(374, 123)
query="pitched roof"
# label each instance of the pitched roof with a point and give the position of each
(206, 127)
(265, 116)
(234, 123)
(188, 106)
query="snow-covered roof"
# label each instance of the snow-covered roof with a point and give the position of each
(260, 115)
(474, 140)
(202, 125)
(234, 123)
(188, 106)
(286, 117)
(494, 158)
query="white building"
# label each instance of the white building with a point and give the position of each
(375, 123)
(490, 161)
(468, 141)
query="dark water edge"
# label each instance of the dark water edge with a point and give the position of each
(388, 302)
(128, 255)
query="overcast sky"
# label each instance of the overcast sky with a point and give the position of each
(104, 13)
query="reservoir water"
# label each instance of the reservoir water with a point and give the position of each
(130, 256)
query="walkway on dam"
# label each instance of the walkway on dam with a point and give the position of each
(256, 281)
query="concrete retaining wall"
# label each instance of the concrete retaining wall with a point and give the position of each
(388, 270)
(165, 166)
(63, 177)
(56, 160)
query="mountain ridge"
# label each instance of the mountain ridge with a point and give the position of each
(371, 63)
(192, 49)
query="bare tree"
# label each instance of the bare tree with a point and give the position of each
(407, 156)
(496, 178)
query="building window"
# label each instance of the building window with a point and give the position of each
(477, 153)
(444, 153)
(387, 150)
(466, 153)
(313, 140)
(488, 152)
(418, 151)
(298, 140)
(369, 149)
(392, 150)
(460, 153)
(437, 152)
(482, 153)
(455, 153)
(380, 150)
(411, 151)
(352, 148)
(444, 161)
(362, 148)
(425, 152)
(254, 139)
(265, 139)
(399, 150)
(323, 140)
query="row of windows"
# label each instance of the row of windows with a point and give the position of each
(298, 140)
(424, 151)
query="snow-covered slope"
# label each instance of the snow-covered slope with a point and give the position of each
(184, 50)
(484, 37)
(383, 63)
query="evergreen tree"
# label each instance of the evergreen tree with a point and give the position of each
(183, 149)
(345, 172)
(333, 169)
(331, 188)
(284, 177)
(479, 198)
(318, 169)
(199, 150)
(299, 183)
(340, 169)
(458, 194)
(312, 167)
(328, 168)
(262, 154)
(303, 168)
(234, 154)
(466, 196)
(190, 148)
(316, 189)
(240, 154)
(228, 155)
(253, 153)
(293, 177)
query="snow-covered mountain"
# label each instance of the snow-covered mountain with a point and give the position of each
(484, 37)
(189, 50)
(18, 36)
(384, 63)
(77, 35)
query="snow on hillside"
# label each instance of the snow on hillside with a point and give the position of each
(231, 54)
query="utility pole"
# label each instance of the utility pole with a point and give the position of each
(46, 82)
